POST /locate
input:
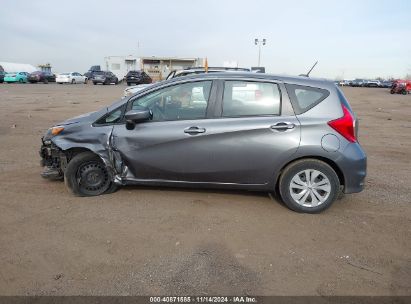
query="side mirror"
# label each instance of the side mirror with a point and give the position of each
(137, 115)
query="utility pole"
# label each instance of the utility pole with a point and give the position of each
(259, 43)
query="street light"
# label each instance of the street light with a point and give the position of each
(259, 43)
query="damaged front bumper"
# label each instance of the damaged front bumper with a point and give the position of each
(53, 160)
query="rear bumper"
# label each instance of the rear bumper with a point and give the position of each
(63, 80)
(354, 168)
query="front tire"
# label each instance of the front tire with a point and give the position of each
(87, 175)
(309, 186)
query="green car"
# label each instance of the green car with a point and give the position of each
(20, 77)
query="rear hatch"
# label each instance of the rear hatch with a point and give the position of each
(99, 75)
(134, 75)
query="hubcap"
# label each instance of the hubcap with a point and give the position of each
(310, 188)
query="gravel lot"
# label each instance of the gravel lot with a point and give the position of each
(150, 241)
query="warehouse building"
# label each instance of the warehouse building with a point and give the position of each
(12, 67)
(156, 67)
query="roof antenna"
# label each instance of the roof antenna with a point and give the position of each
(308, 74)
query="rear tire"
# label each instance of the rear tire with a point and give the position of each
(73, 81)
(87, 175)
(309, 195)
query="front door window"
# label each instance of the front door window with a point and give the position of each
(186, 101)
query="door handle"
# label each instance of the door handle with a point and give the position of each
(283, 126)
(194, 130)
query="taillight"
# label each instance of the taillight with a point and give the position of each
(345, 125)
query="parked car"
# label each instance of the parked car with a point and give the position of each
(372, 84)
(104, 77)
(358, 83)
(200, 70)
(72, 77)
(39, 76)
(401, 87)
(137, 77)
(20, 77)
(134, 89)
(185, 72)
(2, 74)
(90, 73)
(386, 84)
(220, 130)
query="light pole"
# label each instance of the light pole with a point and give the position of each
(259, 43)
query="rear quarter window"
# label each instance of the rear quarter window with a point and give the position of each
(304, 98)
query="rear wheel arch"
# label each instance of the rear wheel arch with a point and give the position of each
(328, 161)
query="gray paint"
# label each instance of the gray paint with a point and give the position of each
(232, 152)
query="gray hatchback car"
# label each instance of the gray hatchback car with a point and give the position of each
(296, 136)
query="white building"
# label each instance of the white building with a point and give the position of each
(11, 67)
(120, 65)
(156, 67)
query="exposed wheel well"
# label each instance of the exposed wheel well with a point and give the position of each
(326, 160)
(70, 153)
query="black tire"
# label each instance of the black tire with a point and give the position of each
(45, 81)
(85, 81)
(392, 92)
(21, 80)
(128, 84)
(87, 175)
(116, 82)
(95, 83)
(306, 164)
(404, 92)
(73, 81)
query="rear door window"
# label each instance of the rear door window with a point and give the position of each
(248, 98)
(304, 98)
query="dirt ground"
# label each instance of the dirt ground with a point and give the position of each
(151, 241)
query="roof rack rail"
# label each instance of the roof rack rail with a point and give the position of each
(219, 68)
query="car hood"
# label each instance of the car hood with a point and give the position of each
(87, 117)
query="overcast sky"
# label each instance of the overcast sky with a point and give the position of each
(349, 38)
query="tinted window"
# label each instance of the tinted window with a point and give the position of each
(180, 102)
(246, 98)
(304, 98)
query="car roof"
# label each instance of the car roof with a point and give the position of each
(300, 80)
